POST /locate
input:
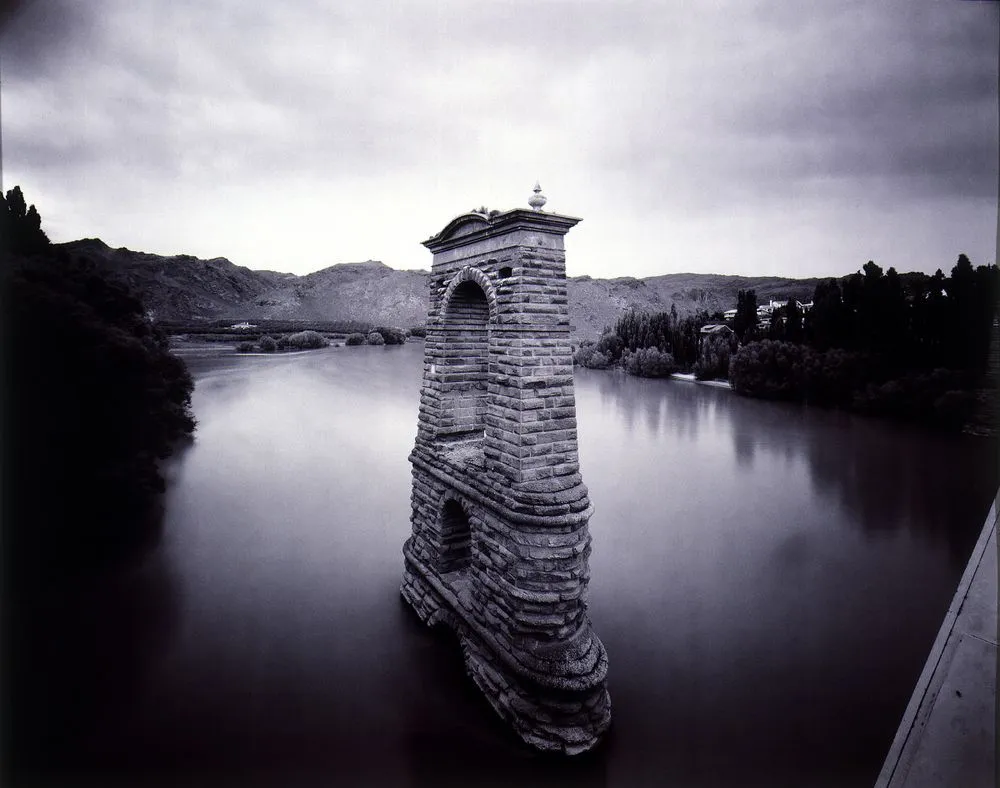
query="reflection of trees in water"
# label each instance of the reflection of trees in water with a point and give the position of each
(890, 477)
(79, 653)
(745, 446)
(666, 406)
(653, 411)
(613, 388)
(765, 429)
(84, 637)
(885, 475)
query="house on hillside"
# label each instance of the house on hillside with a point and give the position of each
(773, 305)
(765, 311)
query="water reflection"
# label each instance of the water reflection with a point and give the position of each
(889, 477)
(664, 408)
(883, 476)
(82, 655)
(750, 556)
(754, 625)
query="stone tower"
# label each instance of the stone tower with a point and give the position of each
(500, 543)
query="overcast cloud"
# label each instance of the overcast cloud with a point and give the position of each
(757, 138)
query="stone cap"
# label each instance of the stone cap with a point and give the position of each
(471, 227)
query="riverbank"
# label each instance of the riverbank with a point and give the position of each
(690, 378)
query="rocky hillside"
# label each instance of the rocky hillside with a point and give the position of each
(184, 288)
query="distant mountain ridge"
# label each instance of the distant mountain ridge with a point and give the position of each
(185, 288)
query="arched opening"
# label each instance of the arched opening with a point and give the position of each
(456, 537)
(464, 363)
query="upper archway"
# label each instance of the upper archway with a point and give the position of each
(470, 274)
(466, 313)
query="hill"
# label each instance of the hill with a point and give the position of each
(184, 288)
(596, 303)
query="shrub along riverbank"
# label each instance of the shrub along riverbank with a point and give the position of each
(300, 340)
(269, 336)
(311, 340)
(854, 381)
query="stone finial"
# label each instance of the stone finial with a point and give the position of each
(537, 200)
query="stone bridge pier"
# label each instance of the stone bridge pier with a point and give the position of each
(500, 542)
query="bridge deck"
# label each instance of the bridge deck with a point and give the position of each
(948, 733)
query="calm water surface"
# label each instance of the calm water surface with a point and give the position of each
(767, 580)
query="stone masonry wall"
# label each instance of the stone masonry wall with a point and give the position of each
(496, 468)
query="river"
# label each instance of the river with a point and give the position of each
(767, 580)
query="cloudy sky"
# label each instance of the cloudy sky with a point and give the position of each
(782, 137)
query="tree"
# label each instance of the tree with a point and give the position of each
(972, 304)
(776, 325)
(648, 362)
(826, 324)
(20, 225)
(745, 322)
(894, 331)
(99, 401)
(307, 340)
(392, 336)
(793, 321)
(611, 345)
(714, 356)
(870, 321)
(985, 302)
(930, 322)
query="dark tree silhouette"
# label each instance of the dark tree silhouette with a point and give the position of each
(745, 322)
(20, 225)
(827, 323)
(793, 321)
(94, 401)
(97, 402)
(912, 346)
